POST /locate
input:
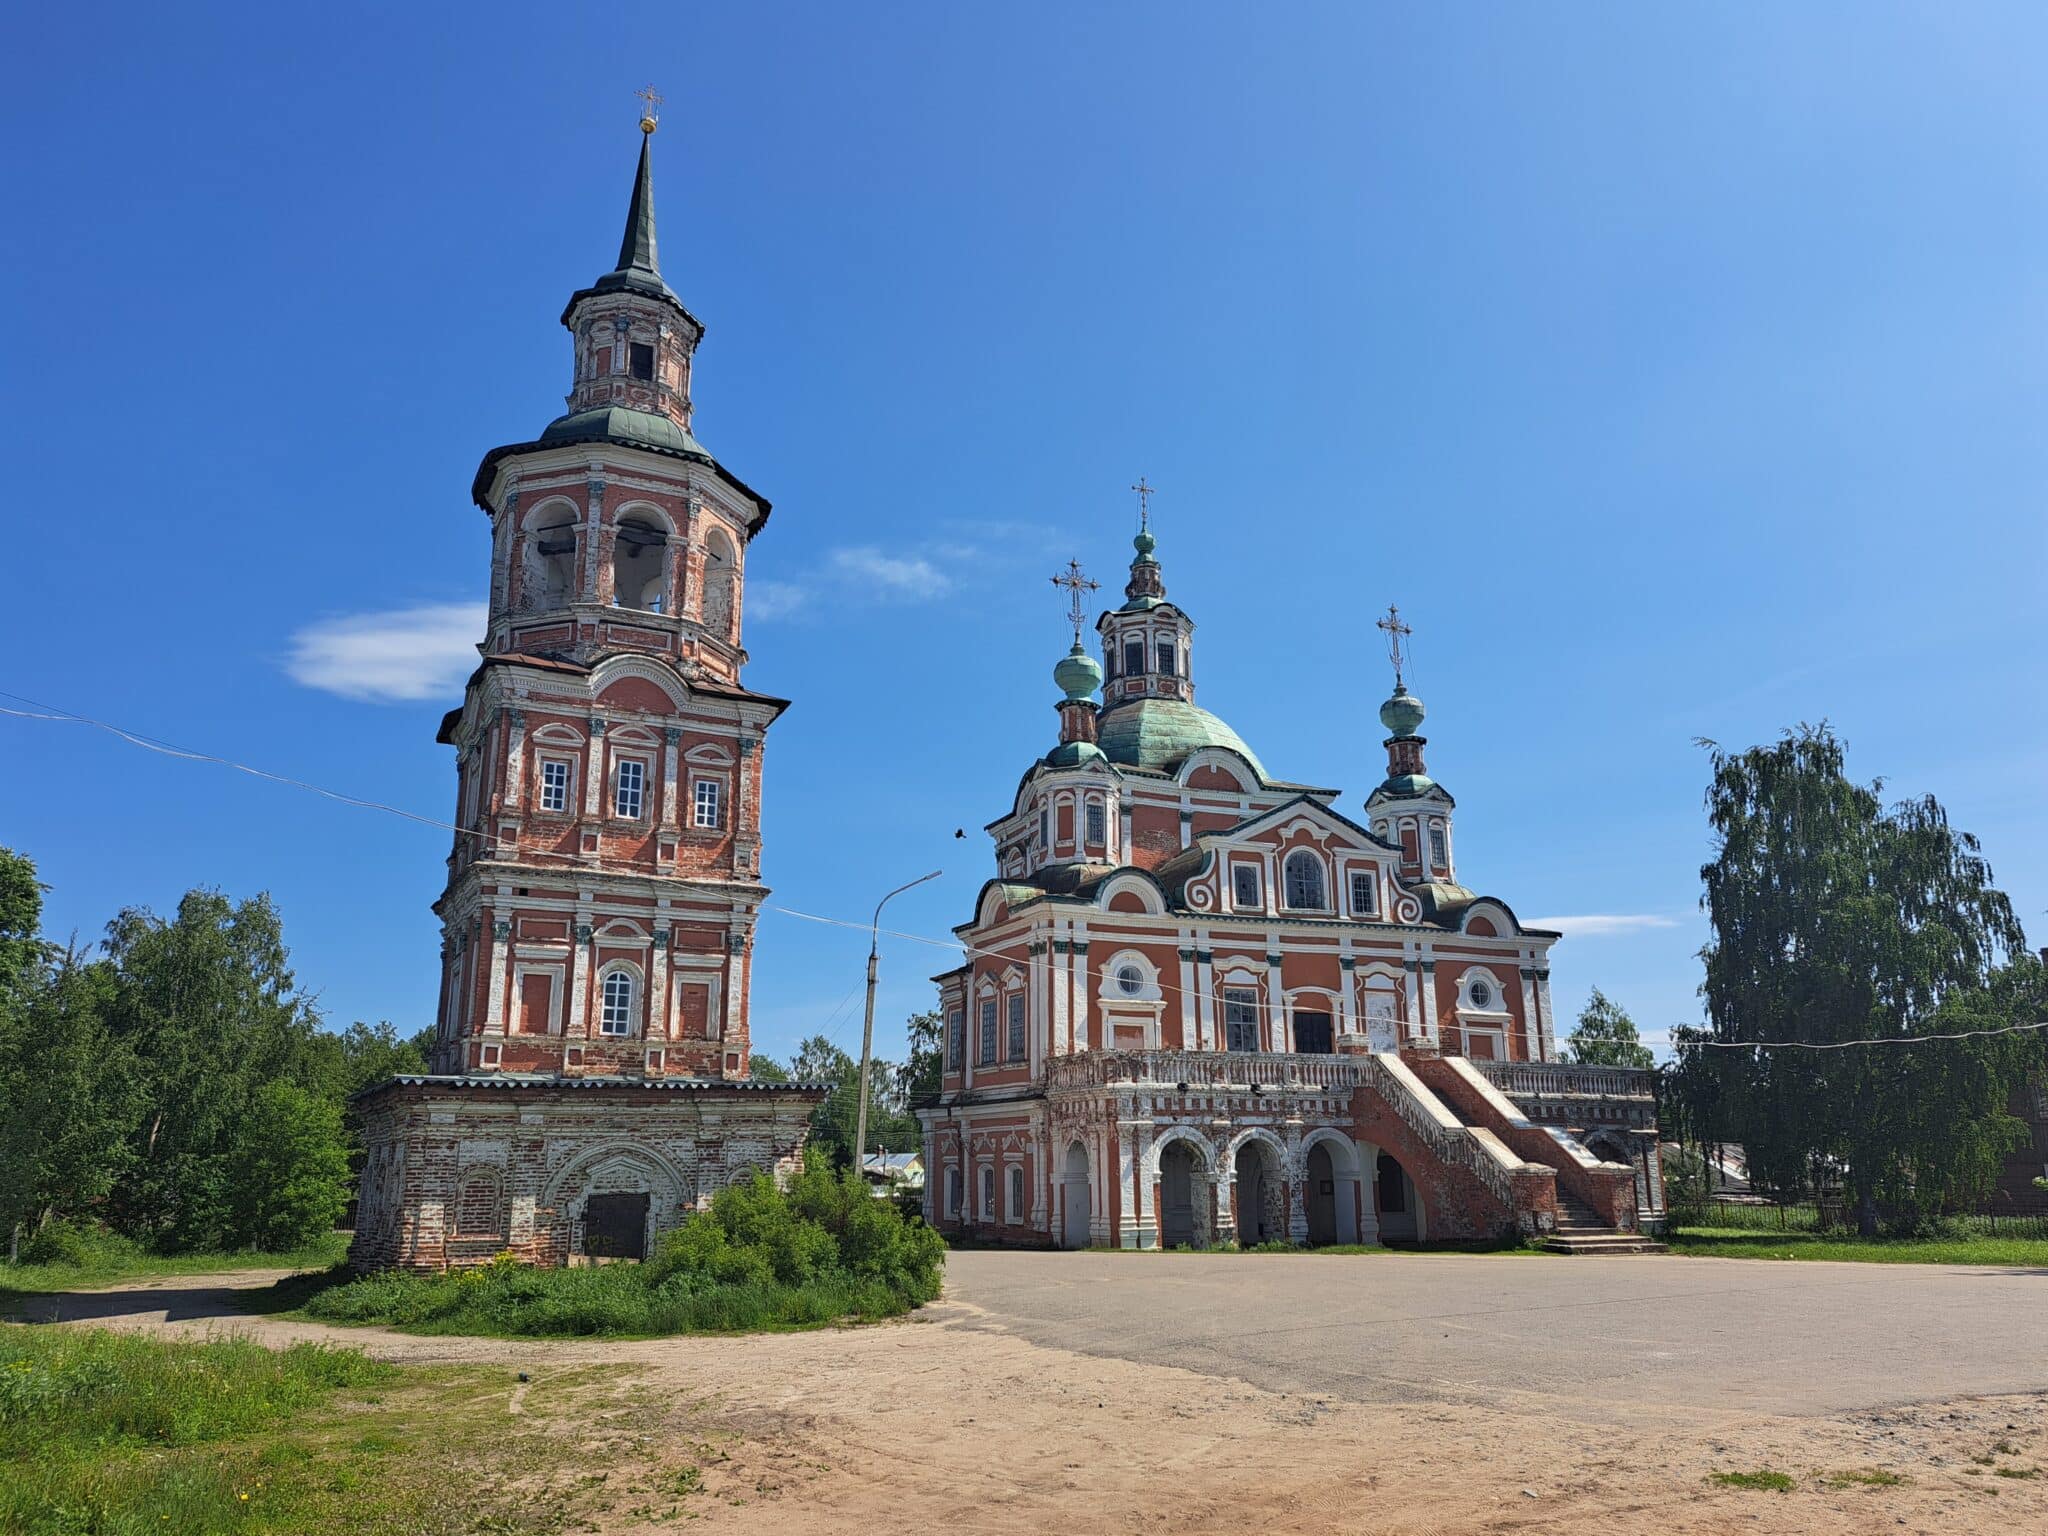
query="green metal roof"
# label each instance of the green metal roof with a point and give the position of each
(616, 424)
(1162, 733)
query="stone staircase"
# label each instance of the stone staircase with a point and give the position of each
(1580, 1230)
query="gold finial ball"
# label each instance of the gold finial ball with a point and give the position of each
(647, 124)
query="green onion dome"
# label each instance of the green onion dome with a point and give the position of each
(1078, 674)
(1402, 714)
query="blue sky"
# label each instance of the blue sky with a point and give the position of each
(1678, 370)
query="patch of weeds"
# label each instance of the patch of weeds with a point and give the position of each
(2005, 1448)
(1865, 1477)
(1763, 1480)
(2023, 1472)
(687, 1480)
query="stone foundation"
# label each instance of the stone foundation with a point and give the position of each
(461, 1169)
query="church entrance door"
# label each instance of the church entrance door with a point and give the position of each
(615, 1226)
(1074, 1198)
(1261, 1196)
(1179, 1189)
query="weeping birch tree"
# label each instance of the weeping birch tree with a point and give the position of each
(1837, 919)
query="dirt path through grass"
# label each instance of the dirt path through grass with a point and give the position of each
(944, 1421)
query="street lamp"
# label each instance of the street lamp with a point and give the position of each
(867, 1030)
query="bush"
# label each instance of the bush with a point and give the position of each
(823, 1250)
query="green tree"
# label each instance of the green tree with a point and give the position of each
(207, 1005)
(22, 950)
(288, 1164)
(1837, 920)
(920, 1073)
(1606, 1036)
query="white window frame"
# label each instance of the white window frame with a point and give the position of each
(1095, 821)
(1016, 1037)
(605, 1017)
(1234, 997)
(1439, 846)
(1014, 1193)
(1287, 864)
(956, 1038)
(1245, 867)
(987, 1037)
(638, 790)
(566, 800)
(1366, 880)
(707, 811)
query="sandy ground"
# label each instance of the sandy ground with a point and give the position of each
(955, 1420)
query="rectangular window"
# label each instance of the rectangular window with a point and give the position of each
(988, 1193)
(641, 360)
(953, 1192)
(1244, 880)
(554, 784)
(1016, 1041)
(617, 1017)
(1134, 657)
(632, 791)
(1045, 828)
(956, 1038)
(1439, 851)
(1165, 654)
(1096, 832)
(988, 1031)
(705, 807)
(1016, 1210)
(1240, 1019)
(1364, 897)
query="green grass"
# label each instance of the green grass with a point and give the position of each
(1865, 1477)
(1762, 1481)
(1733, 1243)
(106, 1434)
(110, 1261)
(761, 1259)
(612, 1301)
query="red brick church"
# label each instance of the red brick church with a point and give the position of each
(590, 1082)
(1203, 1004)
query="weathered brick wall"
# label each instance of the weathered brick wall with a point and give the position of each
(1610, 1192)
(1455, 1204)
(456, 1175)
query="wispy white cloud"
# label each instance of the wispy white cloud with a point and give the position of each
(1600, 925)
(900, 576)
(771, 600)
(405, 653)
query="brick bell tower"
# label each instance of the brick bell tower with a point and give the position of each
(599, 915)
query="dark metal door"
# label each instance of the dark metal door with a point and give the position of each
(615, 1226)
(1312, 1034)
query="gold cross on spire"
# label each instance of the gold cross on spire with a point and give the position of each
(1397, 631)
(1144, 503)
(650, 114)
(1075, 583)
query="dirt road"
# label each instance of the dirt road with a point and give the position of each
(1375, 1394)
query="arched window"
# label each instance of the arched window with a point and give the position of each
(1016, 1210)
(639, 564)
(1306, 891)
(721, 573)
(547, 577)
(617, 1015)
(988, 1193)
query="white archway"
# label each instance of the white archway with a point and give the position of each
(1076, 1203)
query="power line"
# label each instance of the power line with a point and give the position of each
(49, 712)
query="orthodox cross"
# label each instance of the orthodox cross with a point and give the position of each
(1144, 503)
(1074, 584)
(651, 113)
(1397, 631)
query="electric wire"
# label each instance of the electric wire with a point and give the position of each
(50, 712)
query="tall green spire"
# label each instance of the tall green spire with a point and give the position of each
(636, 250)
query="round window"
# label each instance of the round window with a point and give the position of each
(1482, 995)
(1130, 980)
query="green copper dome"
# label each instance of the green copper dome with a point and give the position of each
(1402, 713)
(1144, 544)
(1162, 733)
(1072, 754)
(616, 424)
(1078, 674)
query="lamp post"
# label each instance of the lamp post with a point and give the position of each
(867, 1029)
